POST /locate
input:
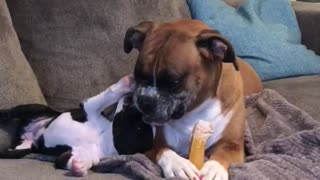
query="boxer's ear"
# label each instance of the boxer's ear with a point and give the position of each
(135, 35)
(219, 48)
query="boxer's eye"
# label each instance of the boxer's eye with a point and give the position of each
(167, 84)
(142, 78)
(176, 82)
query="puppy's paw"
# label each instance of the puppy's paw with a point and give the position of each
(213, 170)
(174, 165)
(26, 144)
(125, 84)
(78, 167)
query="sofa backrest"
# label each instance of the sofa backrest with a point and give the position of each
(75, 47)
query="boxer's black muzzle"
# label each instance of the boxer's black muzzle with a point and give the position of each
(160, 107)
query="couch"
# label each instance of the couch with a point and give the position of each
(61, 52)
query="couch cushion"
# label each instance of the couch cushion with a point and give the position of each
(76, 47)
(18, 84)
(303, 92)
(33, 169)
(308, 15)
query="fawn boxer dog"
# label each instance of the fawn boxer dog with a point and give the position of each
(187, 72)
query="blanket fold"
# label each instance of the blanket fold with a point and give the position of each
(282, 141)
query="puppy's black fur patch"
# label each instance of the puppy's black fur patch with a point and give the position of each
(62, 161)
(55, 151)
(79, 114)
(130, 134)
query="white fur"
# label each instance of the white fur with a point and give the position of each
(33, 131)
(26, 144)
(178, 136)
(174, 165)
(154, 74)
(178, 133)
(90, 140)
(213, 170)
(83, 158)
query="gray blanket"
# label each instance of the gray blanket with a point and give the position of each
(282, 142)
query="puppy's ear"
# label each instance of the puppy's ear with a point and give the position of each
(217, 46)
(135, 35)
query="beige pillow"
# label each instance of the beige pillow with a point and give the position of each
(18, 84)
(75, 47)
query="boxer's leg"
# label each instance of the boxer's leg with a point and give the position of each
(96, 104)
(172, 164)
(228, 150)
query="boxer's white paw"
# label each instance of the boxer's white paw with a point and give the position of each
(79, 167)
(213, 170)
(124, 85)
(174, 165)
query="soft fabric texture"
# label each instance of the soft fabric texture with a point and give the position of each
(18, 84)
(34, 169)
(75, 47)
(279, 136)
(282, 141)
(136, 166)
(264, 33)
(27, 169)
(308, 15)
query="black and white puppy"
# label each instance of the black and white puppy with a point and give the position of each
(81, 137)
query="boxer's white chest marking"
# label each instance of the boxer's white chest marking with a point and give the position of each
(178, 133)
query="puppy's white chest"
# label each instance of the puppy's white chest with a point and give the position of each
(178, 133)
(97, 131)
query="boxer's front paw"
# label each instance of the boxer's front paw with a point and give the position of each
(213, 170)
(174, 165)
(125, 84)
(78, 167)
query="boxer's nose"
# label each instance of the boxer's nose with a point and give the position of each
(146, 104)
(147, 99)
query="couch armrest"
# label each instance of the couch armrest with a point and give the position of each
(308, 15)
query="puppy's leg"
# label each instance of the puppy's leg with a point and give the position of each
(82, 159)
(27, 141)
(96, 104)
(62, 161)
(26, 144)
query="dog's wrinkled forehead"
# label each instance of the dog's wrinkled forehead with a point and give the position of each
(168, 49)
(177, 43)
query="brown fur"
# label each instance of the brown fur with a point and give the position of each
(172, 46)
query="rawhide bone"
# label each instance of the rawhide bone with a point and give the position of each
(201, 132)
